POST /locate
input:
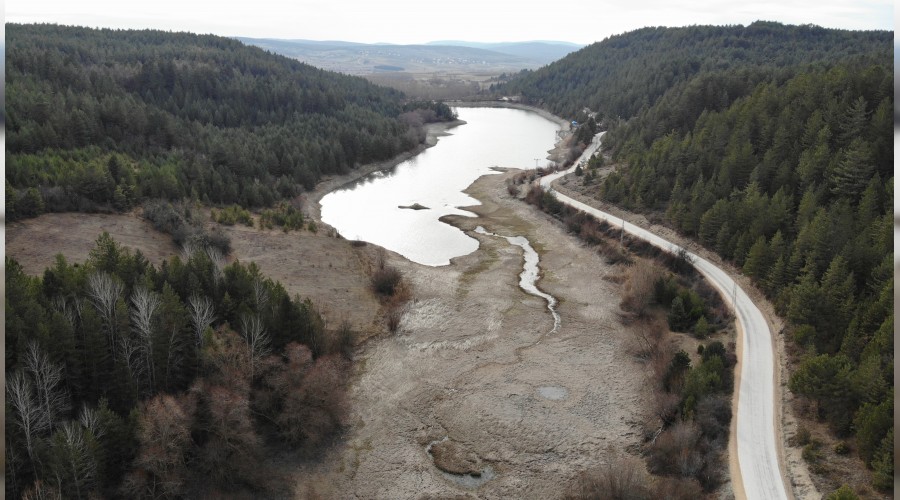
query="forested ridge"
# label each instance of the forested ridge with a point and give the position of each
(771, 145)
(106, 118)
(624, 74)
(126, 380)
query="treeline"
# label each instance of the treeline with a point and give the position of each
(625, 74)
(129, 381)
(104, 118)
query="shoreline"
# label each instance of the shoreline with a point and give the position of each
(433, 131)
(328, 184)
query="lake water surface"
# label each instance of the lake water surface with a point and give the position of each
(369, 210)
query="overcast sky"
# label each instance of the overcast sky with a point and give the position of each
(419, 21)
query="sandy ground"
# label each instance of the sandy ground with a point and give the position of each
(473, 365)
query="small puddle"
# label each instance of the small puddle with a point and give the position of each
(530, 273)
(552, 392)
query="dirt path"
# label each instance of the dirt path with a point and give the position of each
(473, 368)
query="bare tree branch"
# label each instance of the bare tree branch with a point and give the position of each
(260, 294)
(202, 315)
(27, 411)
(144, 305)
(218, 260)
(104, 291)
(254, 333)
(46, 378)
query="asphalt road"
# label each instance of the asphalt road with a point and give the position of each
(757, 448)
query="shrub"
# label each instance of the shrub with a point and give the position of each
(812, 452)
(620, 478)
(842, 493)
(801, 437)
(674, 488)
(639, 288)
(232, 215)
(385, 280)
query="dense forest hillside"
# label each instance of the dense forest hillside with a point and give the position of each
(771, 145)
(108, 117)
(126, 380)
(625, 73)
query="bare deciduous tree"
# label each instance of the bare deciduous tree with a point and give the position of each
(260, 294)
(218, 261)
(89, 418)
(61, 305)
(26, 409)
(40, 491)
(74, 465)
(257, 338)
(46, 378)
(202, 315)
(104, 291)
(129, 350)
(639, 287)
(144, 304)
(160, 469)
(188, 249)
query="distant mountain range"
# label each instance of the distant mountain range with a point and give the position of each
(443, 56)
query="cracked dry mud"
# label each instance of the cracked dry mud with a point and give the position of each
(473, 366)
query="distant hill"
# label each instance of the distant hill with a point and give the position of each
(542, 51)
(362, 59)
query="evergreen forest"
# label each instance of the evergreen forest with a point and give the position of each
(104, 119)
(773, 146)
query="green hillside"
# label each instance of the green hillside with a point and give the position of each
(773, 146)
(109, 117)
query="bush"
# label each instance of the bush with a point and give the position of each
(283, 215)
(639, 288)
(802, 437)
(386, 280)
(621, 478)
(842, 493)
(231, 215)
(185, 226)
(674, 488)
(812, 452)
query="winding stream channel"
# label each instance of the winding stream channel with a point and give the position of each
(530, 273)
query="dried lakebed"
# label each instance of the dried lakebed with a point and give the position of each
(474, 375)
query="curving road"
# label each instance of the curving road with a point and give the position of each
(757, 448)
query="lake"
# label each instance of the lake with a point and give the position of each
(368, 209)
